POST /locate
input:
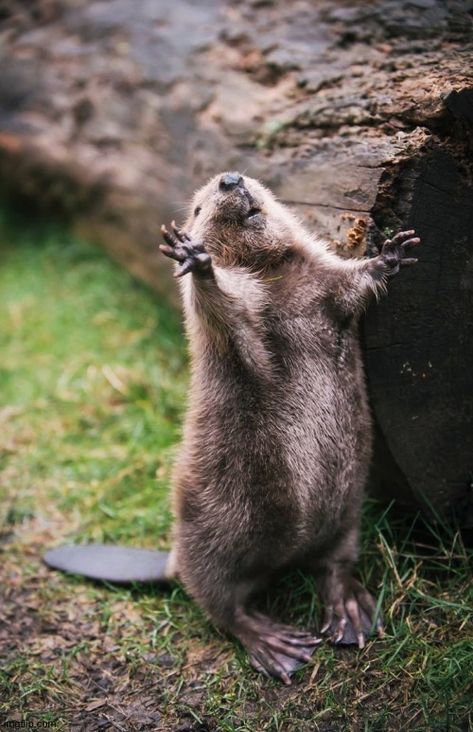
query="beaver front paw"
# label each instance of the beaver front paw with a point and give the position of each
(393, 251)
(190, 254)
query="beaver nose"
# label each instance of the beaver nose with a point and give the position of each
(229, 181)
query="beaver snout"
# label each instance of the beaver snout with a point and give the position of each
(229, 181)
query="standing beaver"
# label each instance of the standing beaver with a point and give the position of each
(277, 439)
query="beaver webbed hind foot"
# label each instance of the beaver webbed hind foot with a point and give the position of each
(350, 612)
(274, 649)
(189, 253)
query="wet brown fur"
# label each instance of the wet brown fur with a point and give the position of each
(277, 439)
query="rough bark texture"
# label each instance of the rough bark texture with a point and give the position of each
(360, 116)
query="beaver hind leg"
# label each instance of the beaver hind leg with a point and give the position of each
(274, 649)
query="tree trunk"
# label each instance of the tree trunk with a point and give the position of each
(359, 117)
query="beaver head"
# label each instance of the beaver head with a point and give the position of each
(240, 222)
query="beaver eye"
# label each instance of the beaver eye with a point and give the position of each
(197, 210)
(254, 211)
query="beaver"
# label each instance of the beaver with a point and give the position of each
(277, 439)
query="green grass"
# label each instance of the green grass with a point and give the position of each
(93, 377)
(92, 391)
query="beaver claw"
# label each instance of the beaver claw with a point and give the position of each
(190, 254)
(274, 649)
(351, 614)
(393, 251)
